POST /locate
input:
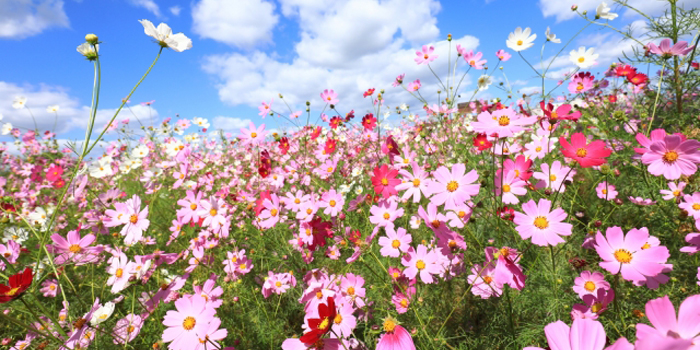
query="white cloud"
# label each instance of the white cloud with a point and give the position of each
(348, 46)
(24, 18)
(149, 5)
(175, 10)
(229, 123)
(71, 114)
(241, 23)
(561, 9)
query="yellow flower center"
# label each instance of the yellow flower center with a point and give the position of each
(130, 329)
(12, 292)
(193, 206)
(351, 291)
(579, 87)
(133, 219)
(420, 264)
(396, 244)
(74, 248)
(589, 286)
(677, 193)
(604, 191)
(541, 222)
(189, 323)
(670, 157)
(416, 182)
(278, 284)
(119, 272)
(452, 186)
(297, 201)
(386, 216)
(503, 121)
(506, 188)
(596, 307)
(273, 212)
(520, 42)
(623, 256)
(552, 177)
(696, 206)
(538, 149)
(405, 160)
(646, 246)
(487, 279)
(253, 134)
(581, 152)
(319, 295)
(385, 181)
(330, 169)
(332, 203)
(213, 212)
(581, 59)
(324, 324)
(389, 325)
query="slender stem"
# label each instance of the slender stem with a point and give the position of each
(656, 101)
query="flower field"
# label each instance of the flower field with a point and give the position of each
(563, 219)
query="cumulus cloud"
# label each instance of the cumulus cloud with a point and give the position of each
(241, 23)
(229, 123)
(348, 46)
(561, 10)
(71, 114)
(175, 10)
(149, 5)
(20, 19)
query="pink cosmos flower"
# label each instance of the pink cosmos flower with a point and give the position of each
(693, 239)
(581, 83)
(414, 184)
(293, 201)
(503, 55)
(400, 301)
(453, 188)
(270, 216)
(645, 142)
(265, 108)
(594, 304)
(395, 242)
(672, 157)
(188, 323)
(584, 334)
(120, 270)
(626, 254)
(414, 86)
(543, 226)
(503, 122)
(49, 288)
(253, 136)
(432, 218)
(329, 96)
(351, 287)
(395, 337)
(691, 204)
(507, 271)
(667, 327)
(641, 201)
(333, 203)
(344, 321)
(606, 191)
(474, 60)
(554, 176)
(521, 166)
(73, 248)
(666, 51)
(399, 80)
(277, 283)
(482, 281)
(586, 154)
(538, 148)
(674, 191)
(589, 283)
(127, 328)
(214, 212)
(509, 186)
(384, 214)
(421, 261)
(426, 56)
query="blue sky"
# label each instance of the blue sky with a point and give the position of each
(247, 51)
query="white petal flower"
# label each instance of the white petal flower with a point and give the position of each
(165, 37)
(88, 50)
(52, 109)
(19, 102)
(552, 37)
(6, 128)
(483, 82)
(603, 11)
(520, 39)
(102, 314)
(583, 58)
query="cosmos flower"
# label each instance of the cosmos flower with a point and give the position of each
(542, 224)
(628, 255)
(165, 37)
(520, 39)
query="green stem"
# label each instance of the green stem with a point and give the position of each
(656, 101)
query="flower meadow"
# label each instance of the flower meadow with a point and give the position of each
(566, 219)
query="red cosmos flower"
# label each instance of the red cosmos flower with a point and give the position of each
(587, 155)
(695, 65)
(506, 213)
(369, 122)
(349, 116)
(54, 173)
(321, 325)
(562, 112)
(335, 122)
(258, 204)
(481, 142)
(284, 145)
(612, 98)
(638, 79)
(625, 71)
(385, 181)
(321, 230)
(59, 183)
(368, 92)
(390, 148)
(316, 133)
(330, 146)
(17, 284)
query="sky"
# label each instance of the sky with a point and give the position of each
(245, 52)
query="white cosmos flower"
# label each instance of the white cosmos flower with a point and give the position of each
(102, 314)
(17, 234)
(178, 42)
(201, 122)
(19, 102)
(6, 128)
(483, 82)
(403, 107)
(52, 109)
(140, 152)
(88, 50)
(520, 39)
(552, 37)
(583, 58)
(603, 11)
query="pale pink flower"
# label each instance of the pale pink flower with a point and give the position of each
(426, 56)
(542, 225)
(395, 242)
(589, 283)
(627, 254)
(453, 188)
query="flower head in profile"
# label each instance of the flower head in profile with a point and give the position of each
(603, 11)
(395, 337)
(586, 154)
(88, 50)
(552, 37)
(520, 39)
(165, 37)
(667, 51)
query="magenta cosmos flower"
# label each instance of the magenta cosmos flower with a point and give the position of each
(385, 181)
(630, 255)
(186, 324)
(74, 249)
(672, 157)
(453, 188)
(426, 56)
(581, 83)
(691, 204)
(667, 327)
(586, 154)
(584, 334)
(665, 49)
(606, 191)
(541, 224)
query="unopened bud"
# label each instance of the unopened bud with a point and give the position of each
(449, 37)
(91, 38)
(308, 103)
(574, 7)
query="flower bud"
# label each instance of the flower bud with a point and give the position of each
(91, 38)
(574, 7)
(449, 37)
